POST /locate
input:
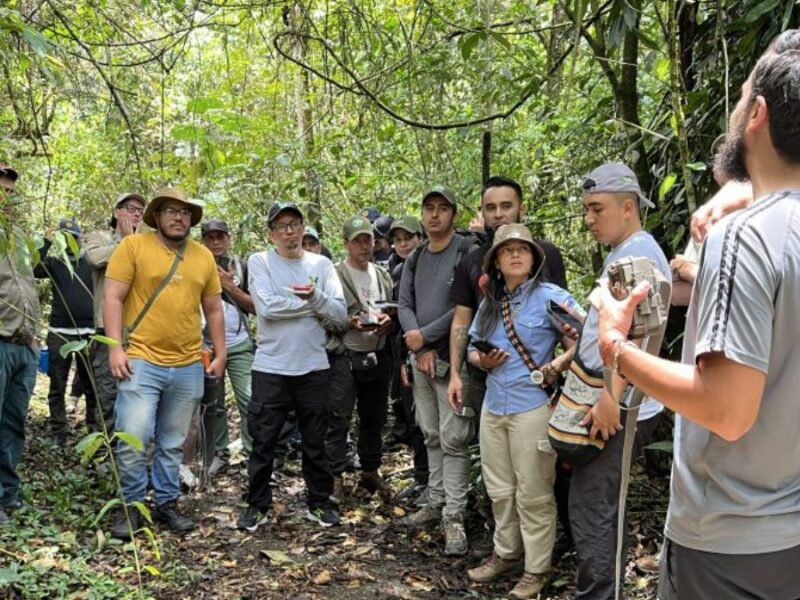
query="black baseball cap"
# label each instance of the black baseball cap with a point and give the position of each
(8, 172)
(214, 225)
(279, 207)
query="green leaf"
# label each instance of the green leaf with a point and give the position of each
(152, 538)
(201, 105)
(666, 185)
(152, 570)
(697, 166)
(143, 510)
(500, 39)
(107, 507)
(89, 445)
(663, 446)
(753, 14)
(105, 340)
(468, 45)
(70, 347)
(130, 439)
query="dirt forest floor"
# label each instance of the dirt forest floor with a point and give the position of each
(54, 548)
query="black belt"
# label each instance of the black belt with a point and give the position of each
(21, 339)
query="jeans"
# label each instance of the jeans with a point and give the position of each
(157, 404)
(17, 377)
(349, 389)
(238, 366)
(58, 372)
(273, 397)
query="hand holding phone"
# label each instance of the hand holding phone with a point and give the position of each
(561, 315)
(484, 346)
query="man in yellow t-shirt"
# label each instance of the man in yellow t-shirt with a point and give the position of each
(160, 371)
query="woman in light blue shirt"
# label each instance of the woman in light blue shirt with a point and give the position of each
(518, 463)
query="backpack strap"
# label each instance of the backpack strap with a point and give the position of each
(127, 331)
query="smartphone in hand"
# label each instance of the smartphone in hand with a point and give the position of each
(484, 346)
(561, 316)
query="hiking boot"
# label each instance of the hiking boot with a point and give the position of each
(169, 515)
(337, 496)
(370, 482)
(430, 513)
(324, 516)
(251, 518)
(455, 537)
(120, 528)
(187, 478)
(529, 586)
(494, 568)
(4, 518)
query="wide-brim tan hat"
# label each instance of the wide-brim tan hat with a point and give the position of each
(513, 232)
(177, 194)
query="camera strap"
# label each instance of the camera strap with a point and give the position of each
(127, 331)
(651, 345)
(536, 376)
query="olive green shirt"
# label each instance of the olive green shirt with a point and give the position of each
(19, 301)
(99, 246)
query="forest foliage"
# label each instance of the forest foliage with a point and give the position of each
(341, 105)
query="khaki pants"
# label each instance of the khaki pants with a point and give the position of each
(447, 436)
(519, 469)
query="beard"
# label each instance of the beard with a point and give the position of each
(729, 161)
(175, 237)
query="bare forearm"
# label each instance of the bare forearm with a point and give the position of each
(242, 299)
(216, 331)
(112, 318)
(459, 337)
(719, 395)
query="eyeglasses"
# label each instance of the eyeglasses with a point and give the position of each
(174, 212)
(285, 227)
(133, 209)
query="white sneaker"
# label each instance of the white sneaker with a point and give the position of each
(187, 478)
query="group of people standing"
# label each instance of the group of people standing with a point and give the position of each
(463, 324)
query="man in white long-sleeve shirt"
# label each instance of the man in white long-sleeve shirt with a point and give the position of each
(293, 292)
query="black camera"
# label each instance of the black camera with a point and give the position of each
(223, 261)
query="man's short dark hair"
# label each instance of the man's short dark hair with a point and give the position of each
(776, 77)
(501, 181)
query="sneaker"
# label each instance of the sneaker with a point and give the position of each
(217, 466)
(529, 586)
(423, 497)
(494, 568)
(4, 518)
(120, 528)
(187, 478)
(251, 518)
(169, 515)
(455, 537)
(337, 496)
(370, 482)
(324, 516)
(430, 513)
(12, 504)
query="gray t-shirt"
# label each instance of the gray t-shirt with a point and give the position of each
(640, 244)
(743, 497)
(429, 307)
(291, 339)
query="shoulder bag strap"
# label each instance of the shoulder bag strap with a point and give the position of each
(178, 258)
(511, 332)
